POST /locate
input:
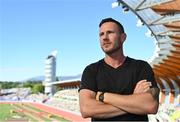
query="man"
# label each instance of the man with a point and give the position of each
(117, 87)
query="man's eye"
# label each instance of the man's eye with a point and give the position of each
(101, 34)
(110, 32)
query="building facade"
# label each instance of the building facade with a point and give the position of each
(50, 73)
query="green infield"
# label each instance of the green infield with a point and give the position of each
(7, 113)
(25, 112)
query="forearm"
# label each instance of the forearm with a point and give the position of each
(90, 107)
(96, 109)
(142, 103)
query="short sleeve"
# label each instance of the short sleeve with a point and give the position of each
(88, 80)
(146, 72)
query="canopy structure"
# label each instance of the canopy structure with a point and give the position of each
(162, 18)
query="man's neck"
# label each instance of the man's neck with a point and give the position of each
(115, 60)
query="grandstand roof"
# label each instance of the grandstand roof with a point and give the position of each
(162, 18)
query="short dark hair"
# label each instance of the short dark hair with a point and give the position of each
(112, 20)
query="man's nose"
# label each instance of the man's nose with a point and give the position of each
(105, 36)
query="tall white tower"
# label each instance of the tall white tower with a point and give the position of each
(50, 72)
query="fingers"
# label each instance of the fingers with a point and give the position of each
(146, 85)
(142, 81)
(142, 86)
(138, 85)
(97, 95)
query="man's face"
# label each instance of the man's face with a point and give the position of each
(110, 38)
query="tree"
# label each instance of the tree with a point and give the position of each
(28, 84)
(0, 88)
(38, 88)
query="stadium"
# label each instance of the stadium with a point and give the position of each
(162, 19)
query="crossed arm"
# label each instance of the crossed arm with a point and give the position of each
(142, 103)
(90, 107)
(144, 100)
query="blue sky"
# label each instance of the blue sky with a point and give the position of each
(31, 29)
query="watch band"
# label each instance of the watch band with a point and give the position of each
(101, 97)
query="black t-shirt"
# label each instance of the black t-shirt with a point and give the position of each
(122, 80)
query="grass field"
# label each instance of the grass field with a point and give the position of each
(25, 112)
(5, 112)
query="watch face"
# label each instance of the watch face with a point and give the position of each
(101, 97)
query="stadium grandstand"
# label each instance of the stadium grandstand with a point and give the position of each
(162, 19)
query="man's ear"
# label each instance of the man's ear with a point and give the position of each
(123, 37)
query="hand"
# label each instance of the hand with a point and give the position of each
(142, 86)
(97, 95)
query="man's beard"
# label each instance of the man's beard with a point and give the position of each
(113, 50)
